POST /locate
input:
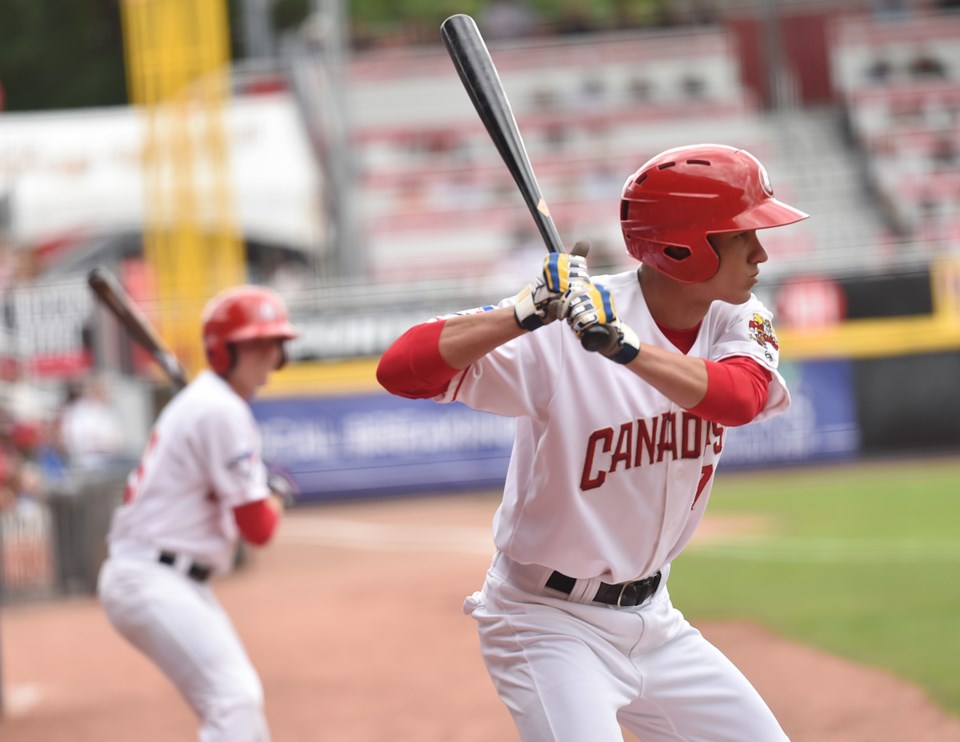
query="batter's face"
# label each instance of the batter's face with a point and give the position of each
(740, 256)
(256, 359)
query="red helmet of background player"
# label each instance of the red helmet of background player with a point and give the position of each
(678, 198)
(242, 313)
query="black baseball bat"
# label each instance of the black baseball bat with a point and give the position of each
(479, 76)
(112, 295)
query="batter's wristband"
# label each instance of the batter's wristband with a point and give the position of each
(625, 354)
(629, 346)
(525, 311)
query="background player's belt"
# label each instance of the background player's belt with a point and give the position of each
(622, 594)
(198, 572)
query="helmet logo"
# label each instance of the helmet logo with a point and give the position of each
(267, 311)
(765, 181)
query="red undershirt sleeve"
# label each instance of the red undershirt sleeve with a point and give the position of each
(737, 390)
(257, 521)
(413, 367)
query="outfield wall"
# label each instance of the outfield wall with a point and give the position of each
(886, 378)
(365, 442)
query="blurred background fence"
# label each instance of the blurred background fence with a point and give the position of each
(333, 144)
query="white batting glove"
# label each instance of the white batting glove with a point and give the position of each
(537, 304)
(591, 305)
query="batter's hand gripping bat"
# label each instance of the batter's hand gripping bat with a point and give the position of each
(109, 291)
(480, 79)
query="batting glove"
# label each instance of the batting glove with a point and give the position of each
(537, 304)
(591, 305)
(281, 485)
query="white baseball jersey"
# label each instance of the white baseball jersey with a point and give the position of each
(618, 484)
(203, 459)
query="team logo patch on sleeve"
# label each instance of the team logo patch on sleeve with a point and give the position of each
(243, 464)
(761, 330)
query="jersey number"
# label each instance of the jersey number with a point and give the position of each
(705, 474)
(136, 476)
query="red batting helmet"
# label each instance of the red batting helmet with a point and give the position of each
(676, 199)
(238, 314)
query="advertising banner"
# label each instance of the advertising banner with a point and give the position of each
(821, 423)
(374, 444)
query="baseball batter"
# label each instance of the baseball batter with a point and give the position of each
(200, 485)
(615, 454)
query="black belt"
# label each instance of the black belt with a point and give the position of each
(197, 572)
(622, 594)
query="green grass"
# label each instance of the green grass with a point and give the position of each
(860, 560)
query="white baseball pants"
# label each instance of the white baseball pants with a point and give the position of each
(571, 672)
(178, 623)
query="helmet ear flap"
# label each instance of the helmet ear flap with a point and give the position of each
(221, 358)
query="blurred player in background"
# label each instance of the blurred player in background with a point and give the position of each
(200, 486)
(90, 431)
(615, 452)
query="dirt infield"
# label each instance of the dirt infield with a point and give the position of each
(353, 618)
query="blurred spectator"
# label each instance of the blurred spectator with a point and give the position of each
(25, 436)
(21, 482)
(19, 397)
(49, 454)
(26, 441)
(8, 495)
(89, 428)
(508, 19)
(8, 462)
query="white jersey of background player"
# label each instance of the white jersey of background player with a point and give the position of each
(201, 485)
(615, 454)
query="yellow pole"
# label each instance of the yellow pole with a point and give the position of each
(177, 62)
